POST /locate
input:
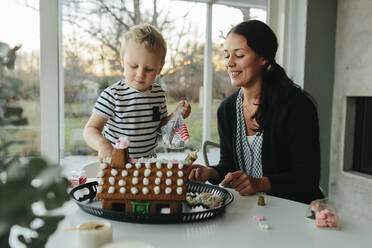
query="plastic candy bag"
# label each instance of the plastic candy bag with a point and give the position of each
(175, 133)
(323, 212)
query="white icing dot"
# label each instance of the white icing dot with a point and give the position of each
(136, 173)
(102, 165)
(153, 160)
(169, 173)
(157, 181)
(134, 190)
(100, 174)
(179, 182)
(134, 180)
(123, 190)
(158, 164)
(145, 190)
(124, 173)
(122, 182)
(138, 165)
(148, 164)
(114, 172)
(147, 172)
(146, 181)
(99, 189)
(112, 180)
(107, 160)
(180, 173)
(128, 165)
(180, 165)
(156, 190)
(100, 181)
(111, 190)
(159, 174)
(170, 165)
(168, 190)
(179, 190)
(168, 181)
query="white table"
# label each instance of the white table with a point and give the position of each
(235, 228)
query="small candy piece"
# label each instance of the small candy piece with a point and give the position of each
(263, 226)
(179, 190)
(158, 164)
(148, 164)
(138, 165)
(259, 218)
(99, 189)
(170, 165)
(179, 182)
(136, 173)
(169, 173)
(103, 165)
(122, 182)
(145, 190)
(157, 181)
(100, 174)
(124, 173)
(145, 181)
(168, 190)
(107, 160)
(156, 190)
(134, 190)
(100, 181)
(261, 201)
(180, 165)
(111, 190)
(159, 174)
(147, 172)
(168, 181)
(128, 165)
(112, 180)
(134, 180)
(123, 190)
(114, 172)
(180, 173)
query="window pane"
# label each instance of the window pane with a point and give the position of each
(91, 60)
(19, 97)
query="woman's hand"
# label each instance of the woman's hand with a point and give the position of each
(199, 173)
(246, 185)
(186, 108)
(104, 152)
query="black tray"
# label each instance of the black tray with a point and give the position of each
(85, 197)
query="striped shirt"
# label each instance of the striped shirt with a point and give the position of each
(134, 114)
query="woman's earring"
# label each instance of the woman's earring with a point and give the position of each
(269, 67)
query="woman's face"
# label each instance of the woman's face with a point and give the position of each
(242, 63)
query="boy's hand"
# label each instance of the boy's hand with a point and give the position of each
(186, 108)
(104, 152)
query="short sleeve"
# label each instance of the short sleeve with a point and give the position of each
(105, 104)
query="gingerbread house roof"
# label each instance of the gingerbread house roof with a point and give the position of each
(143, 179)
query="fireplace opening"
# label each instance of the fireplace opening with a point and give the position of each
(362, 151)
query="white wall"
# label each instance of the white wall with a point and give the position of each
(351, 192)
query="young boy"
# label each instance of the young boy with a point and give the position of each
(134, 107)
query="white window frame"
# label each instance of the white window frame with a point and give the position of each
(51, 73)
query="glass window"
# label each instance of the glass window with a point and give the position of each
(91, 59)
(19, 78)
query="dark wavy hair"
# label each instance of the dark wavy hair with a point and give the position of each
(275, 81)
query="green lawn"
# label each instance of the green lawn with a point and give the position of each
(74, 142)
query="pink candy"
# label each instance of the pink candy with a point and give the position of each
(122, 142)
(325, 218)
(259, 218)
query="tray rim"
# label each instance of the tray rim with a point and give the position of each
(168, 218)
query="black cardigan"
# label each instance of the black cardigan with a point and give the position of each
(290, 149)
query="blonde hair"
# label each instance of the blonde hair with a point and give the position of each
(148, 36)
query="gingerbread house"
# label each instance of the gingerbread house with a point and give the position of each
(143, 186)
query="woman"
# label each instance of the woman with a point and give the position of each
(269, 133)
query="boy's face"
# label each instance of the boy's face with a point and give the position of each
(140, 66)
